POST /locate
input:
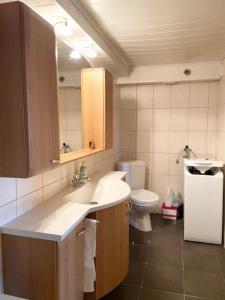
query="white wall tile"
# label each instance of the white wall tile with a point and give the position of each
(128, 120)
(73, 120)
(160, 164)
(62, 99)
(220, 145)
(28, 202)
(144, 119)
(52, 189)
(161, 142)
(7, 190)
(161, 119)
(179, 119)
(178, 140)
(198, 142)
(143, 141)
(68, 169)
(128, 141)
(162, 96)
(212, 119)
(198, 119)
(213, 93)
(128, 97)
(73, 99)
(180, 95)
(7, 212)
(28, 185)
(174, 168)
(211, 143)
(52, 176)
(145, 96)
(116, 119)
(199, 94)
(146, 158)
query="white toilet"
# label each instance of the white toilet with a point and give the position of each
(142, 200)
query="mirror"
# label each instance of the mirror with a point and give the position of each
(85, 126)
(69, 100)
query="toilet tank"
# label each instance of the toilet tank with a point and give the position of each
(135, 173)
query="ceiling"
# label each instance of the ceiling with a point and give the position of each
(54, 13)
(163, 31)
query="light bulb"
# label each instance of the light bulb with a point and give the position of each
(90, 52)
(62, 28)
(75, 54)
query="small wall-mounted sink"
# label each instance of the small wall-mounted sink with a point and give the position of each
(203, 164)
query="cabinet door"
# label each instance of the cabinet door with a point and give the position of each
(41, 91)
(112, 257)
(29, 127)
(71, 265)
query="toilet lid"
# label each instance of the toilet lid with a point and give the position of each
(144, 196)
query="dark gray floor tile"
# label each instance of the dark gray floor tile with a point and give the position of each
(199, 247)
(163, 278)
(202, 262)
(220, 252)
(165, 225)
(206, 285)
(123, 293)
(149, 294)
(139, 252)
(166, 241)
(170, 258)
(140, 237)
(135, 274)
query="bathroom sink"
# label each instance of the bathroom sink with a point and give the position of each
(99, 192)
(203, 164)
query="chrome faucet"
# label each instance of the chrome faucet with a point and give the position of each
(79, 181)
(185, 153)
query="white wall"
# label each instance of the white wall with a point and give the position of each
(157, 121)
(173, 73)
(70, 117)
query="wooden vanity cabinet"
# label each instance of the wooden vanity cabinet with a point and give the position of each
(29, 125)
(37, 269)
(112, 250)
(97, 107)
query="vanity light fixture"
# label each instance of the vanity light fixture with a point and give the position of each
(62, 28)
(75, 54)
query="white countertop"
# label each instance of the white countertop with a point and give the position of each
(6, 297)
(57, 217)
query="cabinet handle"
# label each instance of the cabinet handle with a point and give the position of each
(81, 232)
(55, 161)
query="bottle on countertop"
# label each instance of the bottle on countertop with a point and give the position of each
(83, 170)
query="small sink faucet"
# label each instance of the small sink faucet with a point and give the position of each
(185, 153)
(78, 181)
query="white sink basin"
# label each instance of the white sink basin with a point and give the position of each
(105, 190)
(203, 164)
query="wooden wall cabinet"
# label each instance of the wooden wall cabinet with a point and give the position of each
(112, 250)
(97, 107)
(29, 126)
(39, 269)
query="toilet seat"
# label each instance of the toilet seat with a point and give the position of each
(144, 197)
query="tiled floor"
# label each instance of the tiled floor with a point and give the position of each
(164, 267)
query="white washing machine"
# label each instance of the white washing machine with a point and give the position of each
(203, 200)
